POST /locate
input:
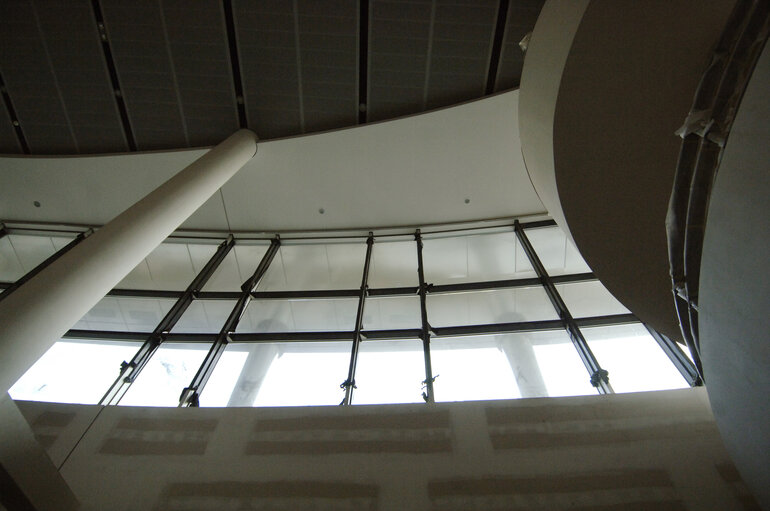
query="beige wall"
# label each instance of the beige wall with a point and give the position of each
(598, 114)
(635, 451)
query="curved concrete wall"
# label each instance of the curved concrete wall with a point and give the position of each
(625, 87)
(735, 288)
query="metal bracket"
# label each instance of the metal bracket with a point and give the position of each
(600, 376)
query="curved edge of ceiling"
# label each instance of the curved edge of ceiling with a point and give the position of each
(605, 85)
(458, 164)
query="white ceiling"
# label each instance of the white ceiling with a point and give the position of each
(415, 170)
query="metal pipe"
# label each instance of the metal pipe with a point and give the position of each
(130, 370)
(599, 376)
(350, 383)
(428, 395)
(191, 394)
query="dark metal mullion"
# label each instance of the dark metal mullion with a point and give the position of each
(363, 60)
(113, 73)
(40, 267)
(599, 376)
(350, 383)
(14, 118)
(683, 364)
(425, 331)
(191, 394)
(352, 293)
(366, 335)
(497, 46)
(130, 370)
(235, 63)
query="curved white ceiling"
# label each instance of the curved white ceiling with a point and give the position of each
(415, 170)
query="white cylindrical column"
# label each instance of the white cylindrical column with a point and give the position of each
(43, 309)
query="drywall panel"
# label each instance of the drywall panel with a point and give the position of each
(735, 288)
(655, 450)
(412, 171)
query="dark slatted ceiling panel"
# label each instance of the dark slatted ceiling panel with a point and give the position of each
(399, 37)
(198, 45)
(136, 33)
(267, 46)
(9, 144)
(56, 77)
(522, 15)
(460, 50)
(328, 35)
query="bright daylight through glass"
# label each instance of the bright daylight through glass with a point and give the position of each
(488, 323)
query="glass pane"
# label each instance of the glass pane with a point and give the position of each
(298, 374)
(122, 314)
(237, 267)
(471, 368)
(313, 315)
(633, 358)
(171, 267)
(74, 371)
(590, 298)
(389, 372)
(20, 254)
(230, 374)
(322, 266)
(204, 317)
(394, 264)
(392, 312)
(475, 259)
(558, 255)
(168, 372)
(496, 306)
(561, 370)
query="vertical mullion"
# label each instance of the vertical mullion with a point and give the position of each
(40, 267)
(599, 376)
(683, 364)
(130, 370)
(425, 330)
(350, 383)
(191, 394)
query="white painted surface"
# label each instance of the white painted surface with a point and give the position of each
(412, 171)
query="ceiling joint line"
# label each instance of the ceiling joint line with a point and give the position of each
(56, 85)
(13, 117)
(300, 92)
(235, 64)
(497, 46)
(125, 120)
(363, 61)
(173, 73)
(429, 55)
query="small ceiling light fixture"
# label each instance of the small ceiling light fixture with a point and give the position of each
(36, 204)
(467, 201)
(321, 210)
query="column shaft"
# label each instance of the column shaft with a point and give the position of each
(45, 307)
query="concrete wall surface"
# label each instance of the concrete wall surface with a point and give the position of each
(657, 450)
(735, 288)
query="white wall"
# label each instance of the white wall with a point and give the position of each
(634, 451)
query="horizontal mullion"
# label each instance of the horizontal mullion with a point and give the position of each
(369, 335)
(349, 293)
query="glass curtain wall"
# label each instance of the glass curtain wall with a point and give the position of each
(497, 313)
